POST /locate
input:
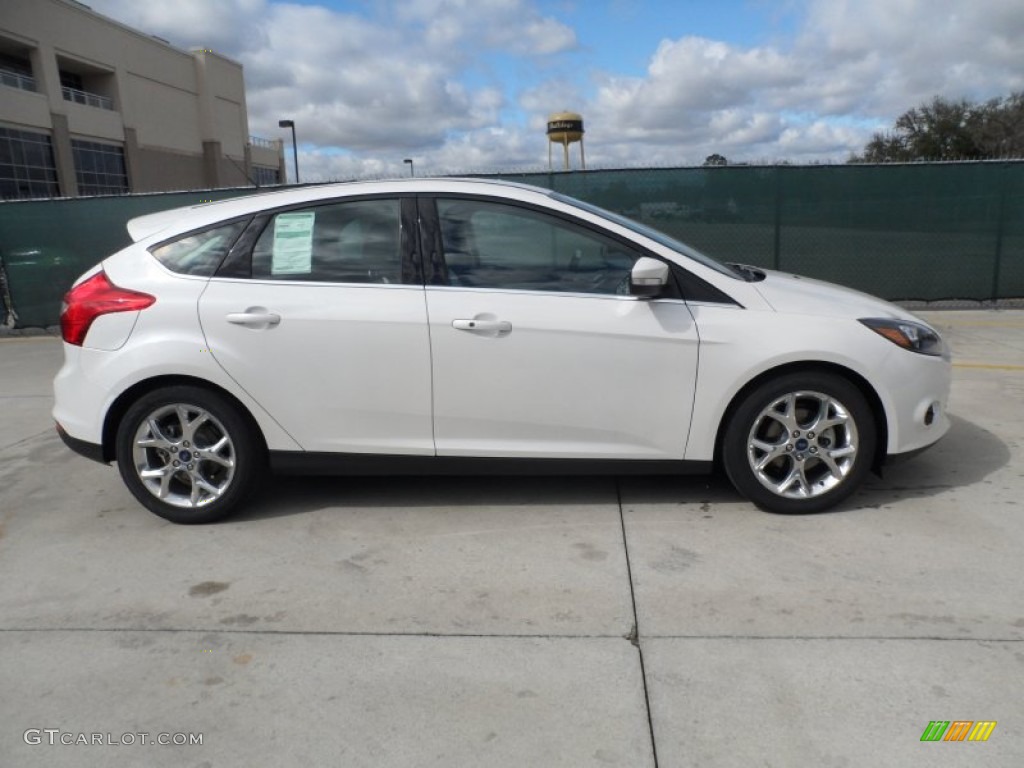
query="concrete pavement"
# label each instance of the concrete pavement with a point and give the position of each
(512, 622)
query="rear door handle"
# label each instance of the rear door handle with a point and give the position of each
(483, 326)
(254, 317)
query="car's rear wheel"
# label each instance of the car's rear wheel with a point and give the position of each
(800, 443)
(188, 454)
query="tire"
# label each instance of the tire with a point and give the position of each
(800, 443)
(154, 442)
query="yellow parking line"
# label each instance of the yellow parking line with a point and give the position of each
(989, 366)
(980, 324)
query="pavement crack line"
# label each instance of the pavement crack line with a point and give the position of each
(841, 638)
(634, 635)
(308, 632)
(43, 433)
(631, 637)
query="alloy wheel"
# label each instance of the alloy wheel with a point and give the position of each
(802, 444)
(183, 455)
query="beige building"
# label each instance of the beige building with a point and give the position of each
(89, 106)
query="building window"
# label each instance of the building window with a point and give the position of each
(16, 72)
(71, 80)
(264, 177)
(75, 88)
(99, 168)
(27, 168)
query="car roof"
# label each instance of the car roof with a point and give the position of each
(183, 219)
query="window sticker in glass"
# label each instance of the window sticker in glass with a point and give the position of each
(293, 244)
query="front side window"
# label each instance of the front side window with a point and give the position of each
(199, 253)
(356, 242)
(496, 245)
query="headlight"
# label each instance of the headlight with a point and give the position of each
(916, 337)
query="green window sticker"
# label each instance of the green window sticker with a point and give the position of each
(293, 244)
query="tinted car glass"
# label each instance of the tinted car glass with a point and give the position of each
(493, 245)
(357, 242)
(199, 253)
(654, 234)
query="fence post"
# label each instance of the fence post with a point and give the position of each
(1000, 226)
(8, 316)
(777, 240)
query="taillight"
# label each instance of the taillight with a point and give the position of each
(92, 298)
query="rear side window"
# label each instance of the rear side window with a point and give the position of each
(199, 253)
(352, 242)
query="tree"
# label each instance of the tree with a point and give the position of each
(716, 159)
(952, 130)
(999, 129)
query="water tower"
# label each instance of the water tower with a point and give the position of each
(565, 128)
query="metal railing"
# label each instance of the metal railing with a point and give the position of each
(89, 99)
(256, 141)
(17, 80)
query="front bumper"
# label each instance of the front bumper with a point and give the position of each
(898, 458)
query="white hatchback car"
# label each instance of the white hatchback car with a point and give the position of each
(467, 326)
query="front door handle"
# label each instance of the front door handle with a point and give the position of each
(254, 317)
(483, 326)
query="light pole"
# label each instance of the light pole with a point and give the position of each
(412, 167)
(295, 147)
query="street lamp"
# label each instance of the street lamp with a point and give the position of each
(412, 167)
(295, 147)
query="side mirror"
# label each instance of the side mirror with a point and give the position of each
(648, 278)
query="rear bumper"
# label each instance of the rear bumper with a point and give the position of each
(82, 447)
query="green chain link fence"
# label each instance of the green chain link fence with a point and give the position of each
(46, 244)
(922, 231)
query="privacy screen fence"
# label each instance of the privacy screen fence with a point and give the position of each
(46, 244)
(923, 231)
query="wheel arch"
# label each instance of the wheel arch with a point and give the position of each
(812, 366)
(124, 401)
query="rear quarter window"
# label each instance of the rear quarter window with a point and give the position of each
(198, 253)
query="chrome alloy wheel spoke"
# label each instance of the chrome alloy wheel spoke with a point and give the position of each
(162, 479)
(220, 452)
(190, 426)
(771, 452)
(156, 438)
(200, 483)
(783, 411)
(797, 478)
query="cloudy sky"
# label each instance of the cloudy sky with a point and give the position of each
(467, 85)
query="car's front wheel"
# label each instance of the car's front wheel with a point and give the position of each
(188, 454)
(800, 443)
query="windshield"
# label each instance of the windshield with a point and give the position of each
(642, 229)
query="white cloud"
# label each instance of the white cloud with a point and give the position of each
(468, 84)
(694, 89)
(509, 25)
(388, 84)
(347, 84)
(853, 68)
(899, 53)
(224, 25)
